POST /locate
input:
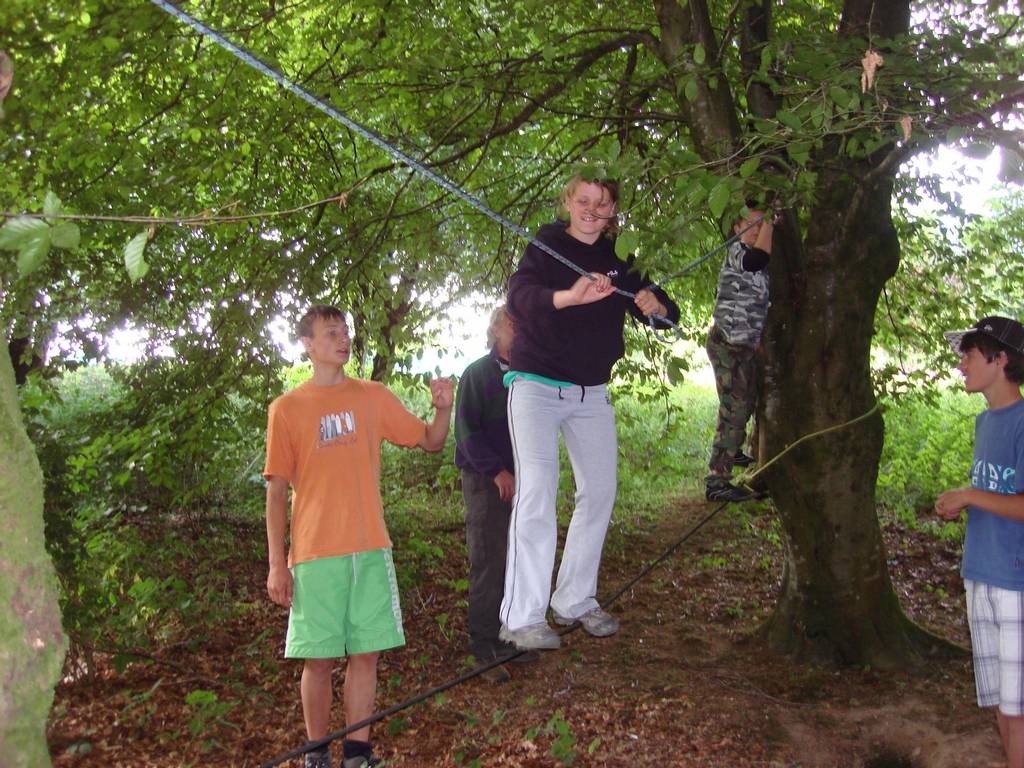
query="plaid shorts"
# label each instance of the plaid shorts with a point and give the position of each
(996, 618)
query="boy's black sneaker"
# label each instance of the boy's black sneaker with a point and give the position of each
(321, 759)
(502, 648)
(727, 492)
(496, 675)
(742, 460)
(358, 754)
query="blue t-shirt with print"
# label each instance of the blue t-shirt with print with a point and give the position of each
(994, 548)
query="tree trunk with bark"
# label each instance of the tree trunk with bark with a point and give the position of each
(837, 602)
(32, 642)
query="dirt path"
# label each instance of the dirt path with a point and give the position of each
(681, 684)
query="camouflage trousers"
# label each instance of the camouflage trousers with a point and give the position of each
(737, 371)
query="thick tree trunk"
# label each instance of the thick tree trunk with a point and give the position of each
(837, 601)
(32, 643)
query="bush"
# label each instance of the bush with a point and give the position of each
(928, 449)
(115, 482)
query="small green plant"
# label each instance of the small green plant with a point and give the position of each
(563, 745)
(713, 562)
(208, 714)
(442, 624)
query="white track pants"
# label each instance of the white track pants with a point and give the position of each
(536, 414)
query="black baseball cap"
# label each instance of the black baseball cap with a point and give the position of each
(1003, 329)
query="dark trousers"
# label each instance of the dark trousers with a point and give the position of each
(736, 378)
(487, 520)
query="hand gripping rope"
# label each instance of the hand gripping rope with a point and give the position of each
(395, 152)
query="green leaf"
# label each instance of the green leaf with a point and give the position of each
(749, 167)
(840, 96)
(789, 120)
(690, 89)
(33, 251)
(21, 231)
(719, 198)
(626, 244)
(676, 371)
(51, 204)
(134, 260)
(698, 54)
(195, 135)
(818, 116)
(799, 151)
(65, 235)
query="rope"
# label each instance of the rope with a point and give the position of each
(195, 220)
(379, 142)
(746, 477)
(377, 717)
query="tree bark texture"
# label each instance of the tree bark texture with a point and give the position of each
(32, 642)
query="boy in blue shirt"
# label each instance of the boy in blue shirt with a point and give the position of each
(992, 362)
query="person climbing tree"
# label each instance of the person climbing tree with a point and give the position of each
(741, 306)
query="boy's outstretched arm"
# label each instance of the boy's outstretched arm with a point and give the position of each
(442, 395)
(949, 504)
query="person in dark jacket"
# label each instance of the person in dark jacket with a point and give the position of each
(483, 454)
(568, 336)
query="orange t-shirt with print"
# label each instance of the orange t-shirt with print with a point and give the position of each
(326, 442)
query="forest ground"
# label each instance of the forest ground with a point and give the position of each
(685, 682)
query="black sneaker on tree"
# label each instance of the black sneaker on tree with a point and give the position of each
(727, 492)
(742, 460)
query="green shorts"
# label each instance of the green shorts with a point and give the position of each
(343, 606)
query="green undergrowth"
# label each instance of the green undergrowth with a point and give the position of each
(929, 443)
(119, 534)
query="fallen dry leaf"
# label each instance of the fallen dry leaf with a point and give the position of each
(905, 122)
(872, 61)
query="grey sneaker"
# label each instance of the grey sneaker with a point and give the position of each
(539, 637)
(318, 759)
(596, 622)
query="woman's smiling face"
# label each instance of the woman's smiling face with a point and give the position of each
(591, 209)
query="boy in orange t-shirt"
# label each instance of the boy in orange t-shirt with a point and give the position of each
(323, 439)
